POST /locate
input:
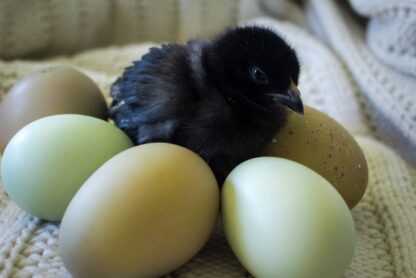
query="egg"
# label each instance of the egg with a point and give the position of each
(45, 92)
(48, 160)
(322, 144)
(284, 220)
(144, 213)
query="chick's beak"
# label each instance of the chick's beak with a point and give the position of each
(292, 98)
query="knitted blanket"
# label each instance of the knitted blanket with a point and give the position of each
(389, 94)
(391, 32)
(385, 219)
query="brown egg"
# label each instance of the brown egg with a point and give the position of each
(320, 143)
(50, 91)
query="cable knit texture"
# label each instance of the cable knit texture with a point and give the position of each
(389, 94)
(391, 32)
(374, 102)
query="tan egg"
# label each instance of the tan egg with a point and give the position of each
(144, 213)
(45, 92)
(322, 144)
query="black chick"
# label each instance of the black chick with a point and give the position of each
(224, 98)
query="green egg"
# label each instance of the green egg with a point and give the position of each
(284, 220)
(48, 160)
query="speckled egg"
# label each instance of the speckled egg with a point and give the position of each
(322, 144)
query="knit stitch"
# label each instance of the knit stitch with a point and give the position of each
(391, 31)
(389, 95)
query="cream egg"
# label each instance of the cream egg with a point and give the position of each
(284, 220)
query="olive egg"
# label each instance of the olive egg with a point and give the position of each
(320, 143)
(45, 92)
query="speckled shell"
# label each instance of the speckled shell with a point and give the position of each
(322, 144)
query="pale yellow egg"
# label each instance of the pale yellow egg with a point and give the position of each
(284, 220)
(144, 213)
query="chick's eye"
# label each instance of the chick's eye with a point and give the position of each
(258, 75)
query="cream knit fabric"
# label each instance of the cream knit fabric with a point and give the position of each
(389, 95)
(391, 31)
(385, 219)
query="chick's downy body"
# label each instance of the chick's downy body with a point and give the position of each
(224, 98)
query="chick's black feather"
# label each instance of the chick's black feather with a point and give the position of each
(203, 96)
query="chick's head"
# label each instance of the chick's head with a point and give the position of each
(254, 64)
